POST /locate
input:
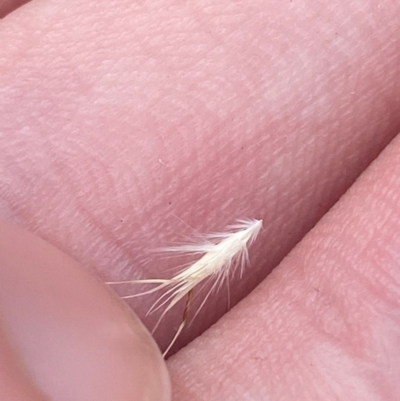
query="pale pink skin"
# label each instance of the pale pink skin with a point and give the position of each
(119, 120)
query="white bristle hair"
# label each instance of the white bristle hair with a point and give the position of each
(221, 255)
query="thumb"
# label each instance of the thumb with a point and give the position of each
(65, 336)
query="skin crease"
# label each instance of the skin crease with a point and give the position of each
(7, 6)
(224, 110)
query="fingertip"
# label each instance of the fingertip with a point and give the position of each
(76, 339)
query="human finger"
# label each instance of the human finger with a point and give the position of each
(66, 336)
(118, 119)
(325, 324)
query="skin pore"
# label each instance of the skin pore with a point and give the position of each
(120, 120)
